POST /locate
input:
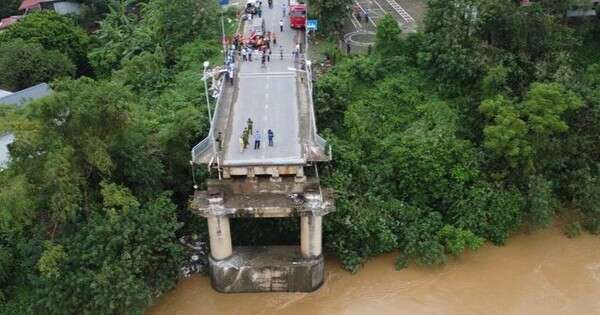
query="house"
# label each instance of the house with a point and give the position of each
(4, 93)
(8, 21)
(25, 96)
(20, 98)
(60, 7)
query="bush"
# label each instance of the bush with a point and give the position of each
(541, 203)
(489, 211)
(53, 32)
(572, 230)
(587, 199)
(25, 64)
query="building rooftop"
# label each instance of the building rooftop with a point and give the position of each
(4, 93)
(8, 21)
(19, 98)
(25, 96)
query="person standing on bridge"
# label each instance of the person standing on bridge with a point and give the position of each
(249, 124)
(263, 58)
(257, 137)
(270, 135)
(245, 138)
(281, 23)
(219, 141)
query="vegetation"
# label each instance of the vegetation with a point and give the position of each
(53, 32)
(478, 126)
(330, 13)
(96, 192)
(24, 64)
(9, 8)
(484, 123)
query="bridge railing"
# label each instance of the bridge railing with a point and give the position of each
(203, 152)
(323, 146)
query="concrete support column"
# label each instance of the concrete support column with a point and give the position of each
(220, 237)
(300, 174)
(226, 173)
(275, 175)
(310, 235)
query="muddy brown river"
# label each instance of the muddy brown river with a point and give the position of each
(541, 273)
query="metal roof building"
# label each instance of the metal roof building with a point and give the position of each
(20, 98)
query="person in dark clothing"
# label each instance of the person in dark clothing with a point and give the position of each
(348, 48)
(245, 138)
(249, 123)
(271, 135)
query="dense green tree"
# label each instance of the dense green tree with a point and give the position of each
(123, 256)
(519, 133)
(388, 42)
(330, 13)
(53, 32)
(489, 211)
(451, 52)
(161, 27)
(24, 64)
(9, 7)
(587, 198)
(541, 202)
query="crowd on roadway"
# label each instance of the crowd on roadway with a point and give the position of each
(258, 43)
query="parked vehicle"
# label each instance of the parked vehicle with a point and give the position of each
(251, 6)
(297, 14)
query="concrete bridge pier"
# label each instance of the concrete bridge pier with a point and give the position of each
(220, 237)
(310, 235)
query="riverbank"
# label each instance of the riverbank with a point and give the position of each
(541, 273)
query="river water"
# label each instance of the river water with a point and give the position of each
(541, 273)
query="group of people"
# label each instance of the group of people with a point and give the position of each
(230, 64)
(264, 51)
(256, 9)
(248, 132)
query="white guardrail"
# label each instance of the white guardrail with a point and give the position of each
(207, 143)
(316, 139)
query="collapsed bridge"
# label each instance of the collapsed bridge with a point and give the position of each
(268, 182)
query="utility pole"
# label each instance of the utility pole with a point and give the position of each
(223, 32)
(210, 120)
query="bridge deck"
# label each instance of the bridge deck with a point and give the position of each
(269, 96)
(276, 96)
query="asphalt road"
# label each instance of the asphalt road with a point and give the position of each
(268, 96)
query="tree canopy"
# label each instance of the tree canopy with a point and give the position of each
(53, 32)
(24, 64)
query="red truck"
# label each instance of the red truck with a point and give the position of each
(297, 14)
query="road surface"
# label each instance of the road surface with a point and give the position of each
(268, 96)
